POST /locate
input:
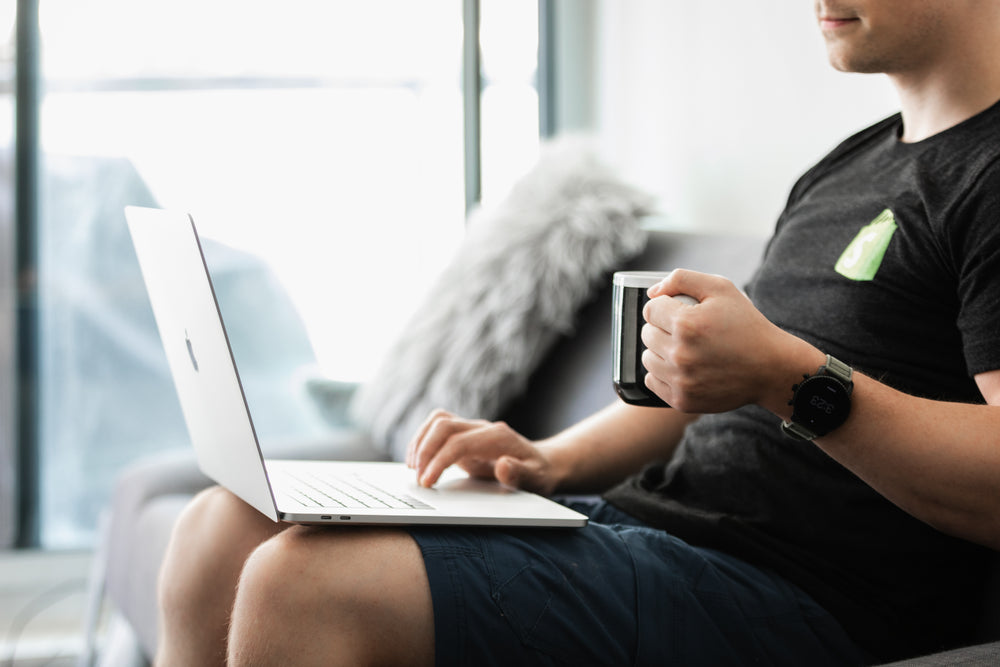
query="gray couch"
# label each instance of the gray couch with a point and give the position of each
(572, 382)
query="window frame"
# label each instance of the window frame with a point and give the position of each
(19, 409)
(26, 169)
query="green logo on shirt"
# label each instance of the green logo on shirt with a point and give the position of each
(863, 257)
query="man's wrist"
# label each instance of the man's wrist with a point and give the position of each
(559, 460)
(798, 358)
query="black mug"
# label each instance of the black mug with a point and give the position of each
(628, 299)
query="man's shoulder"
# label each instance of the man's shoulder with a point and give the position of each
(845, 151)
(969, 150)
(890, 126)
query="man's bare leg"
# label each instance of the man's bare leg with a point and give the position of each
(334, 596)
(209, 545)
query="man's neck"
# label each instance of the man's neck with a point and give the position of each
(952, 92)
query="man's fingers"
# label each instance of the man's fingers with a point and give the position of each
(475, 449)
(660, 388)
(453, 445)
(438, 433)
(418, 437)
(697, 285)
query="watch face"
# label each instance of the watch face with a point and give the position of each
(821, 404)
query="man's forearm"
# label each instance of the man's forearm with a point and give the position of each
(938, 461)
(606, 447)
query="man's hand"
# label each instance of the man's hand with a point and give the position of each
(490, 450)
(721, 353)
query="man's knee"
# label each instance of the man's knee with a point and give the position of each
(308, 567)
(209, 543)
(272, 575)
(331, 592)
(204, 513)
(188, 539)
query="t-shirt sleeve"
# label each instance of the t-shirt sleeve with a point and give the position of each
(977, 259)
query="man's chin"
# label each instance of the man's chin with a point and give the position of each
(844, 62)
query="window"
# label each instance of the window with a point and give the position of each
(319, 145)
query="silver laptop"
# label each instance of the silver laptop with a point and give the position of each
(222, 432)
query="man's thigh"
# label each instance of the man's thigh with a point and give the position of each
(613, 594)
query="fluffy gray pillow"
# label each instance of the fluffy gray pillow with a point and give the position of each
(515, 284)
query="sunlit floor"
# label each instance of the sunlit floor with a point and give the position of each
(43, 602)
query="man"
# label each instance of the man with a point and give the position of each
(867, 542)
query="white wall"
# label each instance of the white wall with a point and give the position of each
(717, 106)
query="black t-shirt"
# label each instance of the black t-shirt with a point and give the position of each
(887, 256)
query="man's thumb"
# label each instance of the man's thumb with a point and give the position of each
(509, 471)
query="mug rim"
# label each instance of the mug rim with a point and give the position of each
(639, 278)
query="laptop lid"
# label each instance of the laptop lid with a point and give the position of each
(187, 316)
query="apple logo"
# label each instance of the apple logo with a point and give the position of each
(194, 361)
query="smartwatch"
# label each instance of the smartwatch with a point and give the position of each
(821, 402)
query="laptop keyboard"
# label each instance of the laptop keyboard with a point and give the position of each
(349, 492)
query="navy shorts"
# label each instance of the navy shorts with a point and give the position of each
(615, 593)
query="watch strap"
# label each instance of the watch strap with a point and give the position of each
(797, 431)
(839, 370)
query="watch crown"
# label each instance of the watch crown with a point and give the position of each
(795, 388)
